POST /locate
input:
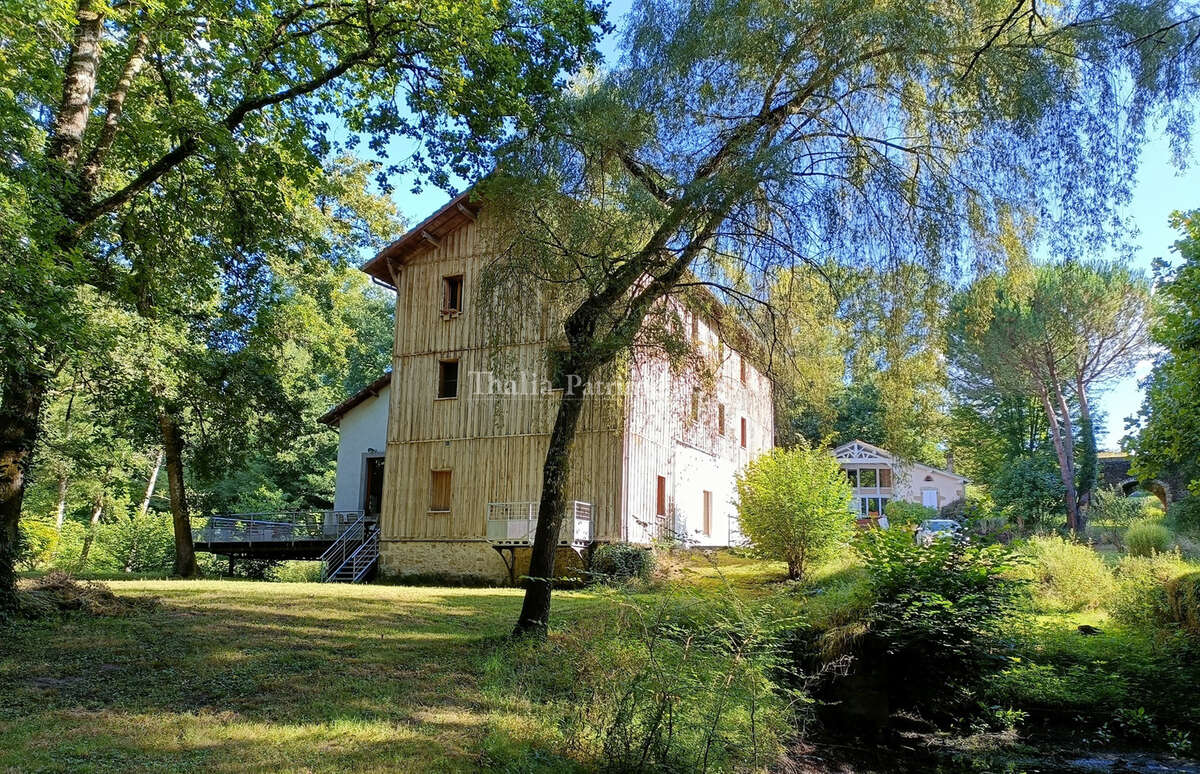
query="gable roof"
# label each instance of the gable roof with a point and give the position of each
(861, 450)
(426, 234)
(335, 414)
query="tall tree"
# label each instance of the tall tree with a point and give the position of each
(1055, 332)
(182, 91)
(784, 133)
(1168, 424)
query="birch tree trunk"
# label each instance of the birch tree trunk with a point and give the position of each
(158, 460)
(97, 512)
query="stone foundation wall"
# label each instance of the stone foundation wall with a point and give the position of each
(465, 562)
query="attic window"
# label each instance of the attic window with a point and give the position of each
(928, 478)
(452, 288)
(695, 328)
(447, 379)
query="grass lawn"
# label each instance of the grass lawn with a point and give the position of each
(236, 676)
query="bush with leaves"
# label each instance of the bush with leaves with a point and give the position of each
(901, 513)
(937, 612)
(793, 506)
(1140, 598)
(1145, 538)
(622, 562)
(1066, 575)
(675, 683)
(1111, 507)
(1030, 490)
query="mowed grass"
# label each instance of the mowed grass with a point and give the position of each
(230, 676)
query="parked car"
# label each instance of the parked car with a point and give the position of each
(932, 529)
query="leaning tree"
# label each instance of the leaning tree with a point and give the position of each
(107, 104)
(768, 134)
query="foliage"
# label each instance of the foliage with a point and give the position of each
(1185, 514)
(937, 612)
(1067, 575)
(1112, 508)
(1183, 601)
(901, 513)
(39, 542)
(1146, 538)
(1029, 491)
(793, 505)
(678, 683)
(1140, 598)
(1168, 437)
(622, 562)
(1052, 333)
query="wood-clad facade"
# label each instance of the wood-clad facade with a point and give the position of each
(458, 439)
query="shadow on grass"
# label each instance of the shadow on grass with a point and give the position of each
(252, 677)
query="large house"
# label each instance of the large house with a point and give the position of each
(877, 476)
(446, 450)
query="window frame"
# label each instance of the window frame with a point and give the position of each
(433, 490)
(450, 311)
(442, 381)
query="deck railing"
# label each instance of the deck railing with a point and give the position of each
(516, 523)
(272, 526)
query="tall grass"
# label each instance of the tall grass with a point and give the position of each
(1066, 575)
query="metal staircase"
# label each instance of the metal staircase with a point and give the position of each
(353, 555)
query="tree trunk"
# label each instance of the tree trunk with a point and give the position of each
(185, 553)
(1062, 449)
(20, 410)
(97, 512)
(1087, 466)
(158, 460)
(60, 510)
(535, 611)
(79, 83)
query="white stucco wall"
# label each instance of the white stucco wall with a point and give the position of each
(361, 428)
(912, 480)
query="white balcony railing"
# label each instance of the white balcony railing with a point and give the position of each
(514, 524)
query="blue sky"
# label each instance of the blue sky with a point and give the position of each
(1161, 189)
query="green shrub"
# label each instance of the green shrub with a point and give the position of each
(1110, 507)
(297, 571)
(622, 561)
(1140, 598)
(1144, 538)
(937, 614)
(902, 513)
(793, 506)
(38, 542)
(1067, 575)
(1185, 514)
(671, 684)
(1183, 601)
(136, 544)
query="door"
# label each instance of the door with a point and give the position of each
(373, 490)
(929, 498)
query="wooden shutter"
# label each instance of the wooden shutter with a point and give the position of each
(707, 513)
(743, 432)
(439, 491)
(660, 505)
(721, 419)
(885, 477)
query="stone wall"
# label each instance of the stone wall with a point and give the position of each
(467, 562)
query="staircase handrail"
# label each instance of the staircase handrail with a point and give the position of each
(346, 544)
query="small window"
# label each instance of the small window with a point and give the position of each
(452, 291)
(439, 491)
(707, 513)
(721, 419)
(660, 500)
(852, 474)
(885, 477)
(447, 379)
(742, 367)
(866, 477)
(744, 434)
